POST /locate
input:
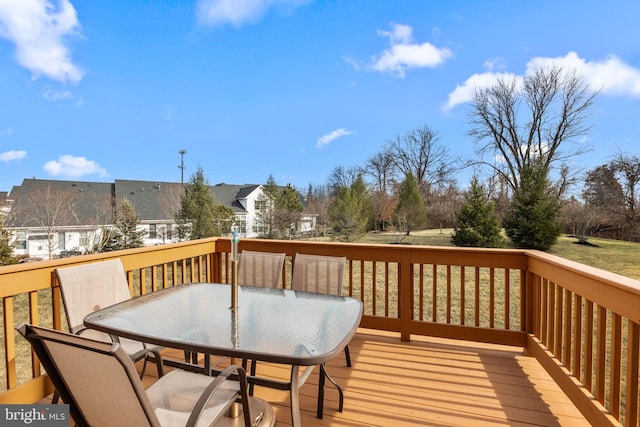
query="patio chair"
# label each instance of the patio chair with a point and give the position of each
(261, 269)
(89, 287)
(101, 385)
(321, 274)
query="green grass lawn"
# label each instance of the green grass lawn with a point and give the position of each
(610, 255)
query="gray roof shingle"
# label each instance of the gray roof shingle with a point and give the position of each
(152, 200)
(31, 197)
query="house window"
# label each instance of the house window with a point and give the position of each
(153, 231)
(62, 241)
(169, 231)
(242, 226)
(21, 240)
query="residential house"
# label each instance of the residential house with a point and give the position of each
(50, 218)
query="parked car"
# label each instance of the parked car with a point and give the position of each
(30, 259)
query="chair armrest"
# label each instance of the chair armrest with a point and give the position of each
(208, 393)
(157, 358)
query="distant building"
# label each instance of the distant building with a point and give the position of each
(62, 218)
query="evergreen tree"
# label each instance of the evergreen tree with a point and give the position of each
(288, 210)
(6, 249)
(125, 234)
(410, 212)
(532, 219)
(223, 220)
(347, 215)
(359, 191)
(197, 209)
(477, 224)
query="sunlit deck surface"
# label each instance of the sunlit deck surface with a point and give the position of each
(429, 381)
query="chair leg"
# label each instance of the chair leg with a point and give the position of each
(144, 367)
(191, 357)
(155, 357)
(347, 355)
(320, 410)
(252, 374)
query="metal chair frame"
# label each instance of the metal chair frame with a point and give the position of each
(321, 274)
(107, 394)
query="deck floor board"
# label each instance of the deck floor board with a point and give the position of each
(429, 382)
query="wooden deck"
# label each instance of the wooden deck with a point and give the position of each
(429, 381)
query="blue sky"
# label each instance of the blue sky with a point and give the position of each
(103, 90)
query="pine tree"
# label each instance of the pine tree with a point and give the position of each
(6, 250)
(288, 210)
(197, 206)
(477, 224)
(348, 214)
(223, 220)
(410, 212)
(125, 234)
(532, 219)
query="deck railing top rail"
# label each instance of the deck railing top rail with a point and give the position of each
(558, 310)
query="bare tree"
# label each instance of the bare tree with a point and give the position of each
(95, 225)
(628, 168)
(380, 167)
(582, 219)
(383, 205)
(445, 202)
(170, 199)
(419, 153)
(557, 104)
(342, 177)
(48, 209)
(319, 201)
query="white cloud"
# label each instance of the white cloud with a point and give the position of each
(464, 93)
(495, 64)
(239, 12)
(57, 95)
(405, 54)
(39, 29)
(73, 167)
(9, 156)
(612, 76)
(7, 131)
(326, 139)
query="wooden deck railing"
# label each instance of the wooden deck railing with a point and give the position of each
(581, 323)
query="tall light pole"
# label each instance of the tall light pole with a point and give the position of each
(181, 167)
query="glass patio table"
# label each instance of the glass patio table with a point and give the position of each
(296, 328)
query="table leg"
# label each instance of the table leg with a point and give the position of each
(207, 364)
(294, 398)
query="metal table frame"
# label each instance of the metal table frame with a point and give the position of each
(295, 328)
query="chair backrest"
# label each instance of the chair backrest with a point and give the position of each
(316, 273)
(89, 287)
(98, 380)
(261, 269)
